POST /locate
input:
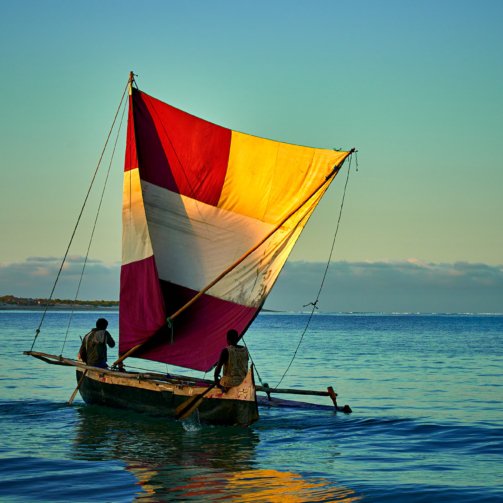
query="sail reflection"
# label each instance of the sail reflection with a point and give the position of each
(260, 485)
(175, 462)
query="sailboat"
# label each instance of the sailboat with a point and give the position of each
(209, 218)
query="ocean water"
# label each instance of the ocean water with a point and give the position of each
(427, 422)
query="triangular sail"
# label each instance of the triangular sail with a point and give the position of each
(197, 197)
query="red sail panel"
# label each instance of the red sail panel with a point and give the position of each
(178, 151)
(141, 304)
(198, 334)
(131, 159)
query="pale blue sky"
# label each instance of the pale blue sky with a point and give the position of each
(417, 87)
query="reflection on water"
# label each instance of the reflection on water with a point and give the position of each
(104, 433)
(176, 462)
(271, 486)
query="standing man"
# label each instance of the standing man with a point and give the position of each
(93, 350)
(234, 360)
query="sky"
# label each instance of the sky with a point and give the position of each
(416, 87)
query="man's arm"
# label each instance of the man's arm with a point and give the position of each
(109, 339)
(83, 349)
(224, 356)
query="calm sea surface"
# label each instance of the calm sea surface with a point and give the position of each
(427, 422)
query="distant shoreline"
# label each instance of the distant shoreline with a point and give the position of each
(11, 302)
(61, 307)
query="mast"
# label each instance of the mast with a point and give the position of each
(130, 83)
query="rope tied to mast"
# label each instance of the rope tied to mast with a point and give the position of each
(255, 369)
(46, 307)
(94, 225)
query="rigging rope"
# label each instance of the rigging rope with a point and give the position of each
(253, 363)
(46, 307)
(315, 303)
(94, 225)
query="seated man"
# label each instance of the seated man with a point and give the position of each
(234, 360)
(93, 350)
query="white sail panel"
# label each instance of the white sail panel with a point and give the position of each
(194, 243)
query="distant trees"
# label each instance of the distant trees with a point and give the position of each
(26, 301)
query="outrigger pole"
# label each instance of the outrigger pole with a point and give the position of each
(68, 362)
(328, 178)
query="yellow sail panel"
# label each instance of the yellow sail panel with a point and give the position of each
(257, 274)
(136, 244)
(266, 179)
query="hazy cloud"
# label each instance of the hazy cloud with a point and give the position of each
(407, 286)
(36, 275)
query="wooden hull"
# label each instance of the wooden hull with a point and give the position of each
(238, 406)
(161, 394)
